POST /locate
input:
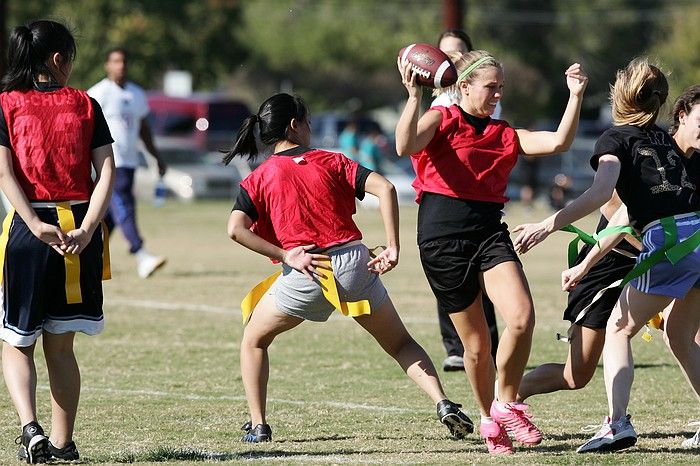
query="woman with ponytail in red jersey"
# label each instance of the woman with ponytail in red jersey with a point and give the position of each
(51, 137)
(296, 208)
(462, 160)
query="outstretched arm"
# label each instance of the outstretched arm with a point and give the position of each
(389, 209)
(297, 258)
(570, 277)
(539, 143)
(603, 185)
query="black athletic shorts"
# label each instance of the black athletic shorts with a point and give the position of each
(34, 284)
(610, 268)
(452, 265)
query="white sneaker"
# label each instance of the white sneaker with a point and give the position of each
(453, 363)
(611, 436)
(147, 263)
(694, 441)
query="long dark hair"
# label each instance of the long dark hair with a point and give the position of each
(459, 34)
(274, 117)
(685, 102)
(30, 47)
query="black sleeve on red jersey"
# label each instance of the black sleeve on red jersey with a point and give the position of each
(245, 204)
(607, 143)
(4, 132)
(100, 135)
(360, 179)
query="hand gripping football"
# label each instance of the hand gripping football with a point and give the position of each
(432, 67)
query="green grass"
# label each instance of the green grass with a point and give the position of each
(162, 383)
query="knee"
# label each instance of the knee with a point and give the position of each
(57, 354)
(522, 322)
(580, 379)
(478, 353)
(678, 341)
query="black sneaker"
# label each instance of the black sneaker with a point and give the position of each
(261, 433)
(459, 423)
(67, 453)
(33, 444)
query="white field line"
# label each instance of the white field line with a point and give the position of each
(233, 311)
(189, 396)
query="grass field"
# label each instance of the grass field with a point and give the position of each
(162, 383)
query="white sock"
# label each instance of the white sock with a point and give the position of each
(486, 419)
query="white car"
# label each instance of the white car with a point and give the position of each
(192, 173)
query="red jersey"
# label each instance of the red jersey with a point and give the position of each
(304, 199)
(50, 133)
(460, 163)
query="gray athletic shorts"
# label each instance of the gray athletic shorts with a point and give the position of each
(298, 296)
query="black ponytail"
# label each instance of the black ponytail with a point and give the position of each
(29, 49)
(274, 117)
(245, 141)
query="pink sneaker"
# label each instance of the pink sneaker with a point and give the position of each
(514, 418)
(496, 437)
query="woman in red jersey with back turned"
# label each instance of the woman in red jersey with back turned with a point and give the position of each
(51, 137)
(462, 160)
(296, 208)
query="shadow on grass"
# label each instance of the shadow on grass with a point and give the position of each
(583, 436)
(161, 455)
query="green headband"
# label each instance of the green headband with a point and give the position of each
(472, 67)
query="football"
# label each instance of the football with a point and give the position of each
(433, 68)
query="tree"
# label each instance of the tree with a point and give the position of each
(678, 49)
(198, 36)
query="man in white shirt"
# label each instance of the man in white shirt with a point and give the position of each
(125, 108)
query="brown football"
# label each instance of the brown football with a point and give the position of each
(432, 66)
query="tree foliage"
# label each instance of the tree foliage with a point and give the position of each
(342, 54)
(198, 36)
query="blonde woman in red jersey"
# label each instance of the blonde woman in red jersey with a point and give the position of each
(462, 160)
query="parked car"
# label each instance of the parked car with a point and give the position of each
(209, 121)
(573, 164)
(326, 126)
(193, 173)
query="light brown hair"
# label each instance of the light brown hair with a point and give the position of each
(638, 94)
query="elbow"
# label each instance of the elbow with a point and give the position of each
(601, 194)
(401, 151)
(387, 190)
(562, 145)
(232, 231)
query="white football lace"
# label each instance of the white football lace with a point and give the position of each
(423, 73)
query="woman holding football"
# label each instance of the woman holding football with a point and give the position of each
(462, 160)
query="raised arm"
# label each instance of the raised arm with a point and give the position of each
(540, 143)
(389, 210)
(602, 189)
(412, 134)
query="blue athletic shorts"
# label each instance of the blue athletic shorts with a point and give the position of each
(298, 296)
(665, 278)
